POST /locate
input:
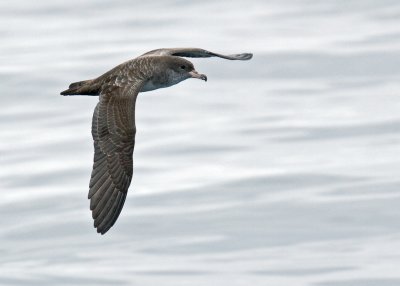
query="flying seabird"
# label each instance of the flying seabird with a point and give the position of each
(113, 124)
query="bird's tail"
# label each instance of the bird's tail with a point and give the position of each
(86, 87)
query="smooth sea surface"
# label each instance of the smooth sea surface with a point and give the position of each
(282, 170)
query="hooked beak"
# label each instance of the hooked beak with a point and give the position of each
(195, 74)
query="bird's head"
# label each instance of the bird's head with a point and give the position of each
(179, 69)
(170, 70)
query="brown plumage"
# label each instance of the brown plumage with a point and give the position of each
(113, 125)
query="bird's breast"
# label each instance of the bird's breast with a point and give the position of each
(158, 82)
(149, 85)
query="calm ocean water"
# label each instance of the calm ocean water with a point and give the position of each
(283, 170)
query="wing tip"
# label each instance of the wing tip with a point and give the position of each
(244, 56)
(104, 223)
(102, 232)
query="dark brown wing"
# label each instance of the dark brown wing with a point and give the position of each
(113, 131)
(197, 53)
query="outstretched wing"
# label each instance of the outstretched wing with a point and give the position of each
(113, 131)
(196, 53)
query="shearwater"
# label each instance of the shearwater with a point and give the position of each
(113, 124)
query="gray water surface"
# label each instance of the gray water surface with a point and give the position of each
(282, 170)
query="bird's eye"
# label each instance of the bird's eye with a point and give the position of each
(183, 67)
